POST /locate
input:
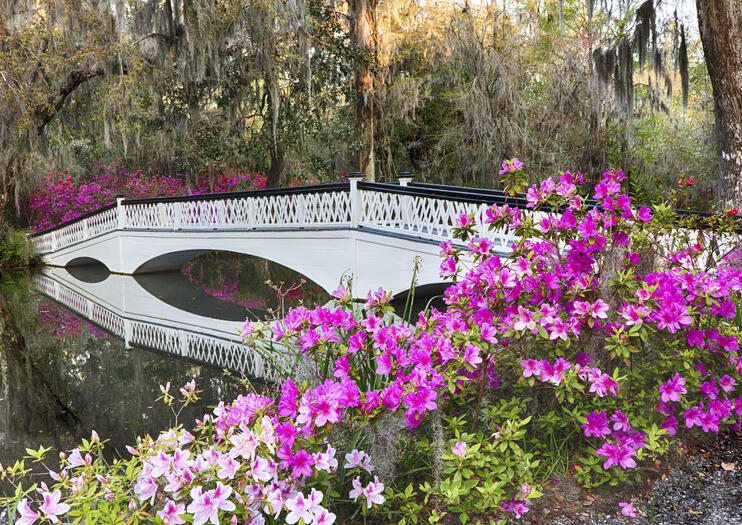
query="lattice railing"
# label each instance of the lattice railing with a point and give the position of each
(427, 217)
(327, 208)
(425, 211)
(324, 205)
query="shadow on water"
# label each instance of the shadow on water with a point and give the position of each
(93, 272)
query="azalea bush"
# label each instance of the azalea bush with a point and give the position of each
(608, 330)
(59, 199)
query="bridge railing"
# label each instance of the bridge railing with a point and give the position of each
(430, 211)
(307, 206)
(424, 211)
(315, 206)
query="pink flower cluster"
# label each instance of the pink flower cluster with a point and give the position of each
(60, 199)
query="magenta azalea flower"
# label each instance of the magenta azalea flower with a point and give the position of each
(597, 425)
(672, 389)
(627, 509)
(616, 455)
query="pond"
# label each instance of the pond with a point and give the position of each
(65, 369)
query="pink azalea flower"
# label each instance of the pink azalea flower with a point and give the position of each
(52, 507)
(358, 459)
(373, 493)
(531, 367)
(558, 330)
(299, 508)
(459, 449)
(341, 292)
(170, 514)
(27, 514)
(324, 517)
(727, 383)
(206, 505)
(471, 355)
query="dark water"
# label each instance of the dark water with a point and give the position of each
(61, 375)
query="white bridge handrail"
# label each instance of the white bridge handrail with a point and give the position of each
(426, 212)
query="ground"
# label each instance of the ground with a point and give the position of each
(699, 482)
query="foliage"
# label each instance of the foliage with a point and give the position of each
(15, 250)
(213, 84)
(605, 329)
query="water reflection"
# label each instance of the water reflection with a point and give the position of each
(84, 349)
(262, 287)
(62, 377)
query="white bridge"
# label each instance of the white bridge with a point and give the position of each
(122, 307)
(374, 233)
(371, 232)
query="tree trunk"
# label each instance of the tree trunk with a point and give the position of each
(362, 23)
(278, 164)
(720, 25)
(277, 150)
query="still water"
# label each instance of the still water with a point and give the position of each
(83, 349)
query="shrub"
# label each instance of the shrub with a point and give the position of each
(15, 250)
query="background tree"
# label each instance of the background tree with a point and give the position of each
(720, 24)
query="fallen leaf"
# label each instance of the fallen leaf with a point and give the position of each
(727, 466)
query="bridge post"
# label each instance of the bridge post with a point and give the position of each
(85, 229)
(121, 211)
(355, 199)
(404, 178)
(127, 334)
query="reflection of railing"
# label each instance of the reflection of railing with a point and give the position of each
(225, 352)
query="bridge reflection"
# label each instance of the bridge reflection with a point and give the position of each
(125, 308)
